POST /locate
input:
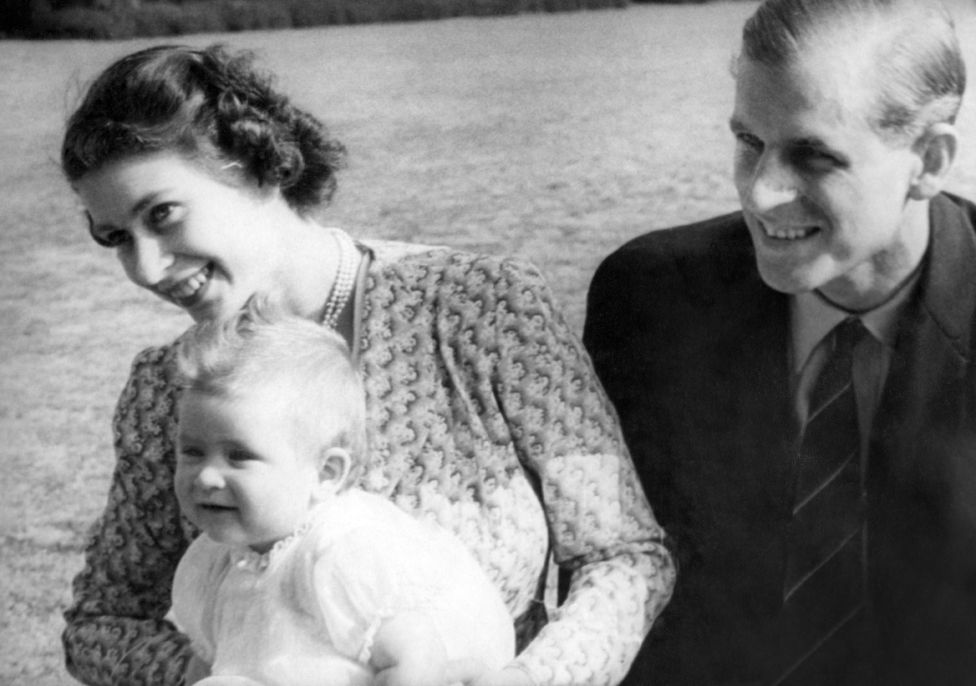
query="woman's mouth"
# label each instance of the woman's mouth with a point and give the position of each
(188, 291)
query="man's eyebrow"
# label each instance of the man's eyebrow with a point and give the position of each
(810, 142)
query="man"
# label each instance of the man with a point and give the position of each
(796, 380)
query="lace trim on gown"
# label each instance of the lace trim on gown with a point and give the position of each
(251, 560)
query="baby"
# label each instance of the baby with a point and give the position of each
(299, 578)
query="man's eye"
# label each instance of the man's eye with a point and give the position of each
(814, 158)
(749, 141)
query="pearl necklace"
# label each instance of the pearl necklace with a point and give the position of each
(344, 278)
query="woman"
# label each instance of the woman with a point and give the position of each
(483, 409)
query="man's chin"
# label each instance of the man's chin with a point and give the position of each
(792, 281)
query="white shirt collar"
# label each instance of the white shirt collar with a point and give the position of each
(813, 317)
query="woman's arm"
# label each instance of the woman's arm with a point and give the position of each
(116, 628)
(601, 525)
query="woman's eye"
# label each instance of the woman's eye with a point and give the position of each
(160, 214)
(111, 239)
(107, 237)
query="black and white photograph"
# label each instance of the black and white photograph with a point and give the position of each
(488, 343)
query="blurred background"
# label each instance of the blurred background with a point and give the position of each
(131, 18)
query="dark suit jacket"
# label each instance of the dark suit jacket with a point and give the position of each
(692, 348)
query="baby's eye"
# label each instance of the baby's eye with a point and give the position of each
(190, 453)
(239, 456)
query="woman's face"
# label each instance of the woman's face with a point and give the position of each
(195, 241)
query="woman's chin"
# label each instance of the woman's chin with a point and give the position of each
(211, 309)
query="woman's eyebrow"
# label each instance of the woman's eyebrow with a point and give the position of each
(135, 211)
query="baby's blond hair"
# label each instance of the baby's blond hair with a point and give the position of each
(260, 351)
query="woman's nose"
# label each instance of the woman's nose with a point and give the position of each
(771, 185)
(147, 261)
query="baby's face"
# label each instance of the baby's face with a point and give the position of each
(239, 475)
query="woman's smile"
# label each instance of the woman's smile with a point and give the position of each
(189, 291)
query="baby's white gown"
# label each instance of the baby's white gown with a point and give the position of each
(306, 612)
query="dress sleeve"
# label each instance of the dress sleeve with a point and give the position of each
(601, 526)
(116, 628)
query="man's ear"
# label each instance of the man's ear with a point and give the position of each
(333, 467)
(936, 149)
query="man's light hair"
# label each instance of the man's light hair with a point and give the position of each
(919, 68)
(299, 366)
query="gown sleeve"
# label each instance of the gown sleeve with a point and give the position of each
(195, 591)
(117, 631)
(364, 578)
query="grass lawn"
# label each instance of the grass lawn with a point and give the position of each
(554, 137)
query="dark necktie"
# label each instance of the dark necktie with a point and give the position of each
(824, 585)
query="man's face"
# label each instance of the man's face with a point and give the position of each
(824, 196)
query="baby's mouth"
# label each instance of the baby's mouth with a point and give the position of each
(215, 507)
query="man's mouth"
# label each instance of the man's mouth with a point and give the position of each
(789, 233)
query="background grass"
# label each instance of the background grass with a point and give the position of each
(553, 137)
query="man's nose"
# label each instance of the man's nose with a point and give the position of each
(771, 185)
(147, 260)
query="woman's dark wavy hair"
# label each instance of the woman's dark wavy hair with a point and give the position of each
(920, 69)
(207, 104)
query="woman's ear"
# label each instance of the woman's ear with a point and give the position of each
(333, 468)
(937, 151)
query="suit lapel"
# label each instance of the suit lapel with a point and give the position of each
(922, 471)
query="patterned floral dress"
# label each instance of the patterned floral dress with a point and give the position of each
(485, 416)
